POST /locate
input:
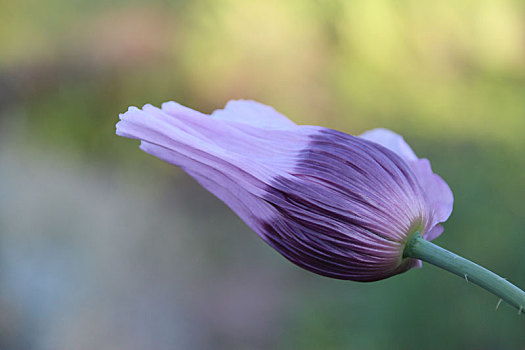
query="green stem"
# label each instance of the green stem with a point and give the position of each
(419, 248)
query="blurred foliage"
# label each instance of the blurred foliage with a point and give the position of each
(451, 69)
(448, 75)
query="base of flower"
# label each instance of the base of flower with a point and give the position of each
(419, 248)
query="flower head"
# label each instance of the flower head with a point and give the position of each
(335, 204)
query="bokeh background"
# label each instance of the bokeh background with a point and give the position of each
(105, 247)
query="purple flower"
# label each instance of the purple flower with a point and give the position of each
(338, 205)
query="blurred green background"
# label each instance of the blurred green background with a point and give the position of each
(105, 247)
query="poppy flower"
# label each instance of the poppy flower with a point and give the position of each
(338, 205)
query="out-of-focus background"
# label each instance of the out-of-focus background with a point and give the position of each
(105, 247)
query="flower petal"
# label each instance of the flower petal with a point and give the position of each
(235, 127)
(346, 209)
(433, 233)
(155, 127)
(436, 190)
(244, 203)
(390, 140)
(254, 113)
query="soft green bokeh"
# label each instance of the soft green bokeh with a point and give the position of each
(448, 75)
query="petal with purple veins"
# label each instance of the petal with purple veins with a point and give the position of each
(335, 204)
(436, 190)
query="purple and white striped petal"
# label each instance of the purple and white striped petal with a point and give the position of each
(334, 204)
